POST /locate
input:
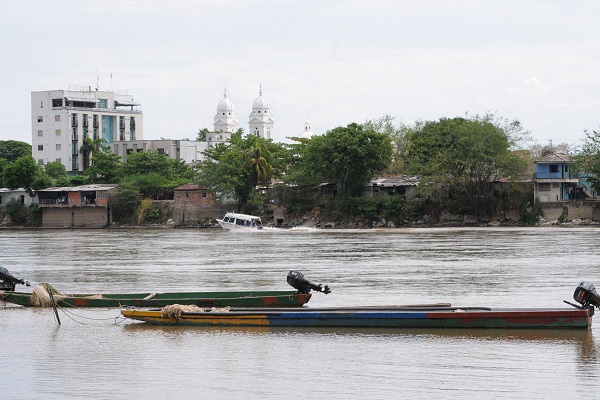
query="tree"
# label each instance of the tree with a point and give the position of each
(90, 147)
(58, 172)
(202, 134)
(106, 166)
(385, 125)
(21, 173)
(160, 169)
(261, 170)
(459, 159)
(232, 170)
(11, 150)
(349, 156)
(587, 159)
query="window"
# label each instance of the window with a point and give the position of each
(40, 161)
(58, 160)
(40, 147)
(553, 168)
(203, 194)
(544, 187)
(40, 133)
(57, 132)
(58, 146)
(57, 118)
(40, 118)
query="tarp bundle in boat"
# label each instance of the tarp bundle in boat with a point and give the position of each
(175, 310)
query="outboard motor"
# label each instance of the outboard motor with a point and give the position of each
(297, 281)
(8, 282)
(586, 295)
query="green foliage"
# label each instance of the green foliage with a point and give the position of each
(11, 150)
(149, 185)
(143, 207)
(260, 169)
(144, 162)
(123, 204)
(3, 164)
(385, 125)
(56, 170)
(90, 147)
(254, 204)
(349, 156)
(77, 180)
(21, 173)
(16, 211)
(151, 162)
(461, 158)
(587, 160)
(41, 179)
(202, 134)
(34, 215)
(530, 213)
(233, 169)
(106, 167)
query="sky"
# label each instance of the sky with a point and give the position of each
(334, 62)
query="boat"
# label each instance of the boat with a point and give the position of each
(44, 295)
(415, 316)
(235, 221)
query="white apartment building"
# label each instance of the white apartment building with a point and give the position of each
(62, 119)
(190, 151)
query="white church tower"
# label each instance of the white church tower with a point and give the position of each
(261, 121)
(308, 133)
(225, 120)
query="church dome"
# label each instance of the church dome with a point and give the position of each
(225, 105)
(260, 103)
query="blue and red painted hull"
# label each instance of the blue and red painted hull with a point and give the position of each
(379, 318)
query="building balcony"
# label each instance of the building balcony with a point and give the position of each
(554, 177)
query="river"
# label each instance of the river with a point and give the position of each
(94, 354)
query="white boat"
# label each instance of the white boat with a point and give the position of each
(234, 221)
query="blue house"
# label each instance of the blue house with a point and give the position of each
(555, 181)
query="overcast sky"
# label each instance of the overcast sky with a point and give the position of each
(335, 62)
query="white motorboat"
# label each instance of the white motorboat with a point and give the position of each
(234, 221)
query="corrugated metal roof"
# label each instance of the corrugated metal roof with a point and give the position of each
(188, 186)
(82, 188)
(554, 157)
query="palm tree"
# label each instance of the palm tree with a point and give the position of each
(261, 169)
(88, 149)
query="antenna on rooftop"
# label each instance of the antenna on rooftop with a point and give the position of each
(111, 83)
(97, 79)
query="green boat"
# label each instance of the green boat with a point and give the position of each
(44, 295)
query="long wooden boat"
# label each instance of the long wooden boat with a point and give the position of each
(45, 295)
(255, 298)
(374, 317)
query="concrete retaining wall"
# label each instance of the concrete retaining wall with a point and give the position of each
(89, 217)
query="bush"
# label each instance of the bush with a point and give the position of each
(16, 211)
(530, 213)
(34, 215)
(123, 204)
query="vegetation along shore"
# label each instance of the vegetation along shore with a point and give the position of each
(464, 171)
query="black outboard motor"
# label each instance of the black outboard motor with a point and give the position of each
(9, 282)
(297, 281)
(586, 295)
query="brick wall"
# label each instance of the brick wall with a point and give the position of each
(91, 217)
